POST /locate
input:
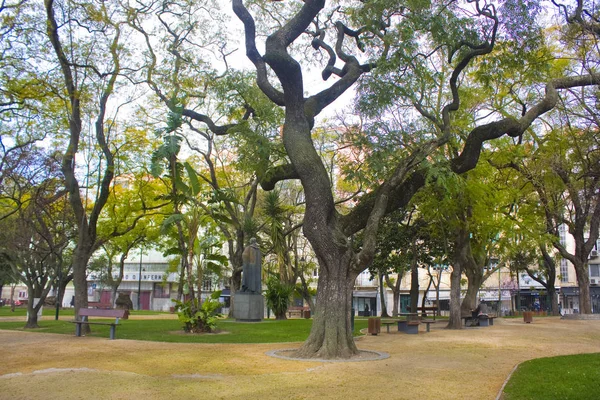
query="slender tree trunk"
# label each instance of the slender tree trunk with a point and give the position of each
(395, 292)
(414, 288)
(181, 282)
(553, 300)
(550, 267)
(306, 293)
(455, 321)
(113, 294)
(12, 297)
(424, 314)
(384, 312)
(62, 287)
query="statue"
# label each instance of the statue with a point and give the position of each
(251, 278)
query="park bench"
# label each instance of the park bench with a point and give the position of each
(426, 310)
(303, 312)
(482, 319)
(387, 324)
(427, 322)
(98, 304)
(84, 313)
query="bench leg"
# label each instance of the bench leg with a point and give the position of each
(113, 329)
(77, 329)
(427, 327)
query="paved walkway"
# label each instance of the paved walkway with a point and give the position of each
(439, 365)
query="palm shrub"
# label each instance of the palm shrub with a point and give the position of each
(204, 319)
(278, 296)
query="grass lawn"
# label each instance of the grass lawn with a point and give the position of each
(575, 377)
(169, 330)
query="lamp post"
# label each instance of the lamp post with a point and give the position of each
(57, 296)
(140, 282)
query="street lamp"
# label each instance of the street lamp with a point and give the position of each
(140, 282)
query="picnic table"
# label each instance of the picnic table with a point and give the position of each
(410, 315)
(425, 310)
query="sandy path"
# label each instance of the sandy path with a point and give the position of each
(439, 365)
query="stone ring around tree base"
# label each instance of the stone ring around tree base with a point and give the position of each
(363, 355)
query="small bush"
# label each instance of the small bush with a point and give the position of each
(199, 318)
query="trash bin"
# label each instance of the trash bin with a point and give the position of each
(306, 314)
(374, 325)
(528, 316)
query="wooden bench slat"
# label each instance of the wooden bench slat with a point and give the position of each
(99, 312)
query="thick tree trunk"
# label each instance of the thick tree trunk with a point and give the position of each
(460, 259)
(583, 280)
(80, 261)
(32, 317)
(280, 316)
(475, 279)
(331, 336)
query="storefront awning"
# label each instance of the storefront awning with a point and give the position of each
(569, 291)
(364, 293)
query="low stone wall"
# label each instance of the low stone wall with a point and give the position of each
(582, 316)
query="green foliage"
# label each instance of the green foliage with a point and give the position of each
(278, 295)
(197, 318)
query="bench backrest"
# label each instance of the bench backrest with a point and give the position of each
(97, 312)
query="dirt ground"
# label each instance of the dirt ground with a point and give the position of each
(442, 364)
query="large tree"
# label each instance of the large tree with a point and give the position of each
(35, 239)
(89, 47)
(329, 232)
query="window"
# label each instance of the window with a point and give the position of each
(162, 291)
(207, 285)
(564, 270)
(562, 234)
(594, 270)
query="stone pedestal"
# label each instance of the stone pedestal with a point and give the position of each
(249, 307)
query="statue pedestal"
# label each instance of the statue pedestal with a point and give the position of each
(249, 307)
